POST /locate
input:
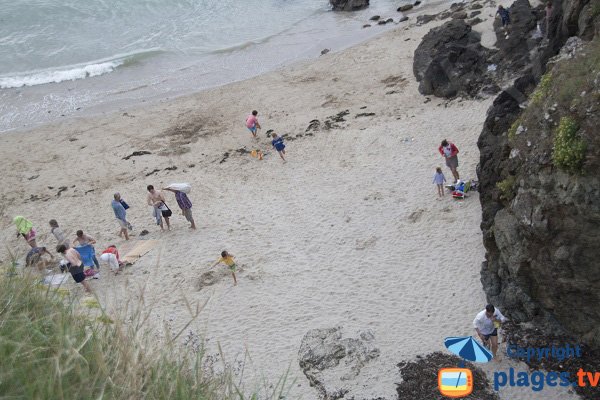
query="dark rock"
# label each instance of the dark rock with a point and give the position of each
(450, 60)
(374, 18)
(541, 237)
(332, 364)
(514, 52)
(476, 6)
(423, 19)
(366, 26)
(325, 51)
(459, 15)
(173, 168)
(474, 21)
(348, 5)
(389, 20)
(381, 22)
(402, 19)
(144, 233)
(417, 3)
(370, 114)
(474, 14)
(405, 8)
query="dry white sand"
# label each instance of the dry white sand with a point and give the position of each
(348, 232)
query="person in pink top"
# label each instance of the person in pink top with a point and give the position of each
(252, 123)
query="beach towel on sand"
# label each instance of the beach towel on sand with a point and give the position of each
(87, 255)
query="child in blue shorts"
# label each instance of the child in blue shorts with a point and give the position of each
(277, 142)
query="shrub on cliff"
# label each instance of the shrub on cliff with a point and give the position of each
(568, 152)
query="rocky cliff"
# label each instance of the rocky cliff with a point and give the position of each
(538, 173)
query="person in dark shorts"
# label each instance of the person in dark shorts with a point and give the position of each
(74, 265)
(486, 324)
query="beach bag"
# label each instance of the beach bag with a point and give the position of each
(165, 210)
(125, 205)
(180, 187)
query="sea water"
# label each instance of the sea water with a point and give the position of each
(64, 57)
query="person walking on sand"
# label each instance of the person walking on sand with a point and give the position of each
(58, 233)
(25, 229)
(450, 152)
(120, 214)
(227, 259)
(439, 180)
(74, 265)
(277, 142)
(486, 324)
(160, 209)
(83, 240)
(252, 123)
(185, 205)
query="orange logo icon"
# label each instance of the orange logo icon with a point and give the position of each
(455, 382)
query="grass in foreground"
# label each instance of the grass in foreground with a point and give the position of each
(52, 349)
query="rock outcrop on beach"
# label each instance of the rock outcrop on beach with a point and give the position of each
(538, 180)
(451, 61)
(348, 5)
(332, 363)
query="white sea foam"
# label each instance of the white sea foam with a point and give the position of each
(55, 76)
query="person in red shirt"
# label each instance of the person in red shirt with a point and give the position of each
(450, 152)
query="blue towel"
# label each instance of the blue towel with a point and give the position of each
(87, 254)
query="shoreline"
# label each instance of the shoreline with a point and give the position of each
(147, 93)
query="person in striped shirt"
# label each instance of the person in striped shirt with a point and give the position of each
(185, 205)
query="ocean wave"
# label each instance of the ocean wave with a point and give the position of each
(73, 72)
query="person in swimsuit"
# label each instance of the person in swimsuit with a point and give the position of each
(160, 209)
(74, 265)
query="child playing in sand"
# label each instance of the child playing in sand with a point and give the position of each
(252, 123)
(277, 142)
(227, 259)
(439, 180)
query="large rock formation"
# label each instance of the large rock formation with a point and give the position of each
(348, 5)
(451, 60)
(539, 185)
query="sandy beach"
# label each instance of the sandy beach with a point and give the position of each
(348, 232)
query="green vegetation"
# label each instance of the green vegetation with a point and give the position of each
(507, 188)
(568, 152)
(577, 77)
(512, 131)
(542, 89)
(595, 9)
(52, 347)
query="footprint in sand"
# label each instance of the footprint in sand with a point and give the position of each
(362, 244)
(415, 216)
